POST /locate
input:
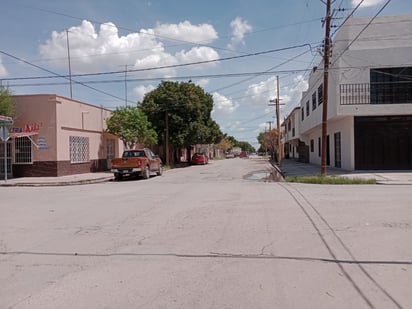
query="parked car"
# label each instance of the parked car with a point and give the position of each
(244, 154)
(199, 158)
(140, 162)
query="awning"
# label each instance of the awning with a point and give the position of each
(24, 134)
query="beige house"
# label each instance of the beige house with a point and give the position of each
(55, 136)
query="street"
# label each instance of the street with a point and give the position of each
(209, 236)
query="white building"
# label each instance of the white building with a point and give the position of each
(370, 97)
(290, 134)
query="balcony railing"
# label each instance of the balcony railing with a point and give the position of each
(376, 93)
(351, 94)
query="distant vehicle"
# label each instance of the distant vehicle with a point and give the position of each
(139, 162)
(199, 158)
(236, 151)
(244, 154)
(230, 155)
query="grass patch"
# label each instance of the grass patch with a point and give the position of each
(330, 180)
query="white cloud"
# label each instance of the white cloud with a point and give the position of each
(140, 91)
(202, 82)
(260, 94)
(101, 49)
(198, 54)
(222, 106)
(187, 32)
(367, 3)
(3, 71)
(239, 28)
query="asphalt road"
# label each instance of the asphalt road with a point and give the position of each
(206, 237)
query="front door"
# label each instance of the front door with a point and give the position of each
(110, 152)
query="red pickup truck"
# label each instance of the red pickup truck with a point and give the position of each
(139, 162)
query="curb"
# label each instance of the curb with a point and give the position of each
(56, 184)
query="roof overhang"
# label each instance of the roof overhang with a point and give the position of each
(29, 135)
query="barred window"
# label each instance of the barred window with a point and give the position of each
(79, 149)
(320, 94)
(23, 152)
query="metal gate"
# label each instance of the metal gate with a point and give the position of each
(383, 143)
(9, 165)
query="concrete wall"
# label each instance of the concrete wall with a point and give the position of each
(55, 119)
(37, 113)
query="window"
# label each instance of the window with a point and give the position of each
(307, 109)
(319, 147)
(303, 113)
(23, 153)
(312, 145)
(320, 94)
(391, 85)
(289, 125)
(79, 149)
(314, 101)
(338, 155)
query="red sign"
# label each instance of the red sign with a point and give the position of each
(5, 118)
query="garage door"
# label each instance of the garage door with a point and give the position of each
(383, 143)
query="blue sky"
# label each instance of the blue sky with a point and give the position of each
(153, 39)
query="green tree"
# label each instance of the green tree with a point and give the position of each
(225, 144)
(245, 146)
(268, 140)
(7, 107)
(131, 125)
(186, 109)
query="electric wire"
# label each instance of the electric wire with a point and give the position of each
(360, 33)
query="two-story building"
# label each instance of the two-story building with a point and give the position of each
(369, 119)
(290, 134)
(56, 136)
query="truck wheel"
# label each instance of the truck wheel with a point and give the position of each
(146, 173)
(160, 171)
(118, 176)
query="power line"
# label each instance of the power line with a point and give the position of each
(166, 66)
(360, 33)
(268, 70)
(62, 76)
(200, 43)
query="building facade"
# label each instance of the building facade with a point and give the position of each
(290, 135)
(369, 120)
(56, 136)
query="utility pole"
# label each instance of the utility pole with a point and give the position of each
(270, 125)
(277, 104)
(70, 69)
(278, 120)
(167, 137)
(125, 85)
(325, 87)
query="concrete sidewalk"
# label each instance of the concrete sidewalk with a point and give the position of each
(290, 167)
(77, 179)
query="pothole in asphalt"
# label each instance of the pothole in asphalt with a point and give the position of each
(265, 176)
(259, 176)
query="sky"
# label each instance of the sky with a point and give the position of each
(120, 50)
